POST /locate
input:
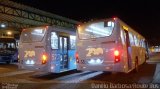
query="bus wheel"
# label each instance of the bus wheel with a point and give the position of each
(136, 65)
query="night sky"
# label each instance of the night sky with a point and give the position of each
(141, 15)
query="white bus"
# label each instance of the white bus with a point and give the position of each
(109, 45)
(47, 49)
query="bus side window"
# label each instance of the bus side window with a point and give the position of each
(140, 44)
(54, 40)
(143, 43)
(136, 40)
(131, 39)
(122, 37)
(72, 42)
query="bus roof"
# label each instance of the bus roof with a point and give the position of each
(130, 28)
(58, 28)
(116, 19)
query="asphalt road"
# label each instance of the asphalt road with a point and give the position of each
(13, 78)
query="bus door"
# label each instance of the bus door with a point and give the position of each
(147, 49)
(63, 41)
(129, 50)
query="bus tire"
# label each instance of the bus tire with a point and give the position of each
(136, 65)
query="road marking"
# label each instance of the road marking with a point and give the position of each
(72, 75)
(74, 78)
(14, 73)
(82, 78)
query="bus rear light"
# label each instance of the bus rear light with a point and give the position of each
(117, 56)
(114, 18)
(117, 60)
(44, 58)
(77, 57)
(116, 53)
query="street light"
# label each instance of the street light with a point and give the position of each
(9, 33)
(3, 25)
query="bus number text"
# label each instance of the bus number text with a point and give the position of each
(94, 51)
(29, 54)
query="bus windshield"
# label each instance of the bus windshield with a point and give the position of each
(96, 30)
(7, 43)
(33, 34)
